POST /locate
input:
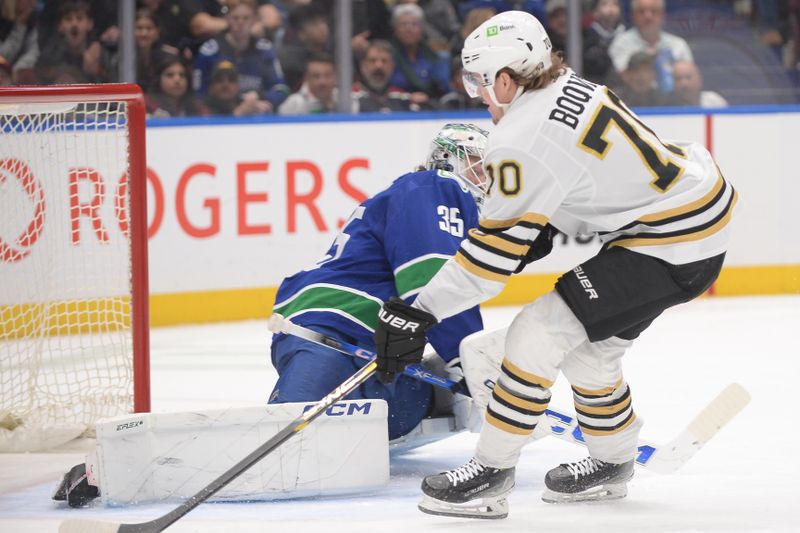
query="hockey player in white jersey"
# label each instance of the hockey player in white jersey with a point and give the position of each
(569, 154)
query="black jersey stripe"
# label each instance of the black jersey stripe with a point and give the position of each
(603, 416)
(483, 245)
(679, 235)
(607, 429)
(510, 421)
(579, 396)
(484, 266)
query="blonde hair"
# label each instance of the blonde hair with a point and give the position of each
(543, 79)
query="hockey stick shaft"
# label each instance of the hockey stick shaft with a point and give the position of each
(278, 324)
(663, 459)
(294, 427)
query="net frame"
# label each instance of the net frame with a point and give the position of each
(131, 96)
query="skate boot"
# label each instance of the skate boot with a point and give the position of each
(587, 480)
(472, 490)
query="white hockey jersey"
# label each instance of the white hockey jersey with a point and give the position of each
(572, 154)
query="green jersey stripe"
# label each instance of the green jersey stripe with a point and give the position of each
(417, 275)
(338, 300)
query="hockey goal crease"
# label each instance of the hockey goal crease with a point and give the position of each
(663, 459)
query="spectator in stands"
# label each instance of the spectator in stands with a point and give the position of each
(370, 20)
(269, 22)
(793, 46)
(458, 99)
(184, 24)
(224, 97)
(557, 24)
(104, 14)
(172, 96)
(72, 46)
(372, 93)
(419, 70)
(647, 36)
(150, 52)
(310, 36)
(441, 23)
(640, 88)
(473, 18)
(255, 58)
(606, 24)
(534, 7)
(5, 73)
(19, 47)
(689, 87)
(318, 93)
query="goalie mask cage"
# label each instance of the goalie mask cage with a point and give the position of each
(73, 261)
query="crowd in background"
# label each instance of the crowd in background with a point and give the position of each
(254, 57)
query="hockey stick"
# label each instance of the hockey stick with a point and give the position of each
(78, 525)
(279, 324)
(663, 459)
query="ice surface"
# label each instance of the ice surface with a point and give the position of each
(747, 479)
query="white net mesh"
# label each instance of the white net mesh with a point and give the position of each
(65, 271)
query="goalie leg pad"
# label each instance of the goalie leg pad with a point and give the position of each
(169, 457)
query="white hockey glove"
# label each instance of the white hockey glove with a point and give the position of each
(462, 404)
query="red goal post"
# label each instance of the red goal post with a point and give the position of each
(74, 335)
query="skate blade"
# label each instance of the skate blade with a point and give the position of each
(600, 493)
(483, 508)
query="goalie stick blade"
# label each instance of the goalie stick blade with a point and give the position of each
(670, 457)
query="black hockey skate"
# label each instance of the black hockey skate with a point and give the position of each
(75, 489)
(472, 490)
(587, 480)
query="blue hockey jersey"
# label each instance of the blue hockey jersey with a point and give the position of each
(392, 245)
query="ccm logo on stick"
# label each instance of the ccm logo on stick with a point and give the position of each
(397, 322)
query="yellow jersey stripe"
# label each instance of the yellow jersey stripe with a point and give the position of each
(532, 218)
(616, 408)
(527, 405)
(497, 242)
(504, 426)
(479, 271)
(513, 370)
(676, 211)
(605, 433)
(688, 237)
(605, 391)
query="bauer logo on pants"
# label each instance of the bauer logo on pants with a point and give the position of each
(585, 282)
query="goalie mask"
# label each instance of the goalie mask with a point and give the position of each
(514, 40)
(459, 149)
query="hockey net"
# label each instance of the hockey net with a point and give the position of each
(73, 261)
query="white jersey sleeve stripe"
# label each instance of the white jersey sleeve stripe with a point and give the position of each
(479, 269)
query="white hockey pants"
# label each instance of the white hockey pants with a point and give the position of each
(545, 337)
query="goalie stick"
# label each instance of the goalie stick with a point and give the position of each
(660, 458)
(78, 525)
